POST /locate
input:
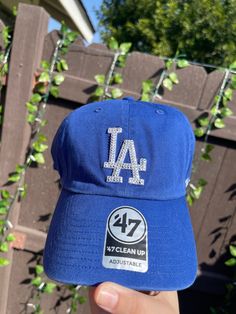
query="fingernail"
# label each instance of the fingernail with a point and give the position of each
(107, 298)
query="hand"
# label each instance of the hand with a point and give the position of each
(109, 297)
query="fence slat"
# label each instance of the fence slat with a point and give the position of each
(30, 30)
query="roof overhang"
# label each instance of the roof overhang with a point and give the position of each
(72, 12)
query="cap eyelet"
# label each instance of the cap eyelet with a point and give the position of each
(97, 110)
(159, 111)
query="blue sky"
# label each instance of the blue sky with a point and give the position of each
(90, 6)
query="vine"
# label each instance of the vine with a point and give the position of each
(103, 91)
(7, 34)
(167, 79)
(207, 122)
(4, 60)
(46, 84)
(210, 120)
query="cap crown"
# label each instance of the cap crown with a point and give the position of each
(125, 148)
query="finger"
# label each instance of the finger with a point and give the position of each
(95, 309)
(116, 299)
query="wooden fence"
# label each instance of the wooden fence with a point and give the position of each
(213, 215)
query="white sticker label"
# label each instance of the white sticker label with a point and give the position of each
(125, 244)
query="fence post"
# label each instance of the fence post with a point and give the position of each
(28, 41)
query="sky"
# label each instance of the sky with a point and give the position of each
(90, 6)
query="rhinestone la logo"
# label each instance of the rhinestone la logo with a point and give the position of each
(126, 148)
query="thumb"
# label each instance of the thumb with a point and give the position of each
(116, 299)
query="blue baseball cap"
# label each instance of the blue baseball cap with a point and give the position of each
(122, 215)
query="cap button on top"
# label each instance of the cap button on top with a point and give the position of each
(128, 98)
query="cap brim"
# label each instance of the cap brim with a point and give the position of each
(75, 243)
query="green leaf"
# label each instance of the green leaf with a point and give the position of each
(116, 93)
(228, 93)
(64, 50)
(117, 78)
(23, 190)
(39, 269)
(145, 97)
(10, 237)
(233, 81)
(44, 77)
(5, 194)
(49, 287)
(64, 65)
(199, 132)
(54, 91)
(4, 247)
(182, 63)
(202, 182)
(168, 83)
(36, 98)
(100, 78)
(66, 42)
(232, 249)
(197, 192)
(39, 147)
(58, 66)
(125, 47)
(189, 199)
(39, 158)
(214, 110)
(3, 210)
(14, 177)
(231, 262)
(44, 122)
(233, 65)
(42, 138)
(4, 262)
(99, 91)
(40, 88)
(5, 35)
(169, 64)
(58, 79)
(209, 148)
(82, 299)
(206, 157)
(36, 281)
(4, 202)
(4, 69)
(226, 112)
(121, 61)
(113, 44)
(173, 77)
(2, 222)
(14, 10)
(20, 168)
(72, 36)
(31, 108)
(31, 118)
(147, 86)
(216, 99)
(219, 123)
(45, 65)
(64, 28)
(225, 101)
(203, 121)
